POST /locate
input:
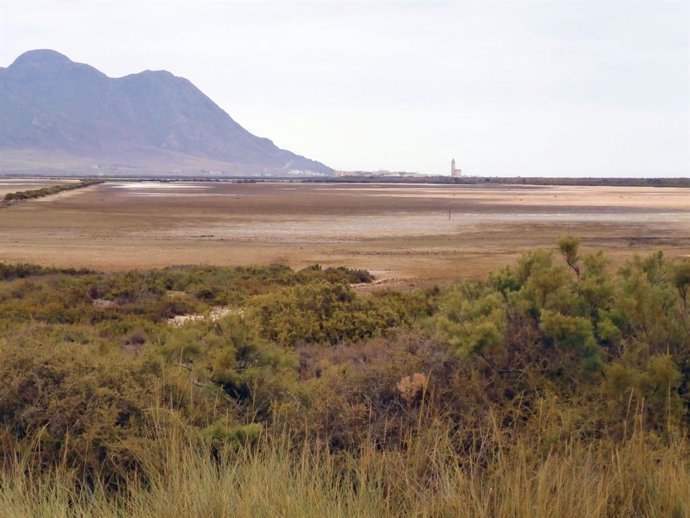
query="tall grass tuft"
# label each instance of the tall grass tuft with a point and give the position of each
(639, 478)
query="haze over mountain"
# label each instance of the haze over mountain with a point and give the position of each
(60, 116)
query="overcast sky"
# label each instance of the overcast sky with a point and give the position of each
(584, 88)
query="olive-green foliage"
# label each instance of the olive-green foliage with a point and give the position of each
(86, 356)
(221, 437)
(539, 298)
(540, 326)
(229, 354)
(91, 369)
(86, 410)
(569, 246)
(20, 271)
(571, 332)
(321, 312)
(681, 278)
(472, 319)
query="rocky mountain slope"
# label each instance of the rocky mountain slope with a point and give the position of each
(59, 115)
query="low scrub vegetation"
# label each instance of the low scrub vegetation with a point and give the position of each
(556, 387)
(48, 191)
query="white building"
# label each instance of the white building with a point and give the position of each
(453, 170)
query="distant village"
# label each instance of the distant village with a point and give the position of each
(454, 172)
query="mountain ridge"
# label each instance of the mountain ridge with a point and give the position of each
(150, 120)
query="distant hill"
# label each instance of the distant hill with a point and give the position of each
(60, 116)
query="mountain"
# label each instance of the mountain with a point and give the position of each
(60, 116)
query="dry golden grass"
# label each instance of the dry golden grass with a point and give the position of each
(639, 478)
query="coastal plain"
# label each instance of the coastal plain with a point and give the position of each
(407, 235)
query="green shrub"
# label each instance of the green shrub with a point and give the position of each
(91, 371)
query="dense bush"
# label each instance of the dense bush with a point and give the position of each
(562, 348)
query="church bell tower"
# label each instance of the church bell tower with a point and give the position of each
(453, 170)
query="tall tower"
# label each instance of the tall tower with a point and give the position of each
(453, 170)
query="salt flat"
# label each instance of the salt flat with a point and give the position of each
(410, 233)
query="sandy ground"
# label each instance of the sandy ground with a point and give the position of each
(405, 234)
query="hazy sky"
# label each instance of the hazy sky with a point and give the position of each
(586, 88)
